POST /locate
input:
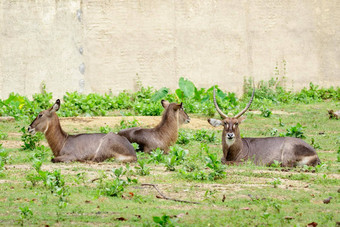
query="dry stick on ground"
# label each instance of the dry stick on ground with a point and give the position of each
(167, 198)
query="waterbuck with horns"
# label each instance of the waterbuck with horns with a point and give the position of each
(82, 147)
(164, 134)
(262, 151)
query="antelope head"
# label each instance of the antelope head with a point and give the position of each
(174, 108)
(44, 119)
(231, 132)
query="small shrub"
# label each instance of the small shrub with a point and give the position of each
(170, 163)
(128, 124)
(114, 188)
(30, 141)
(164, 221)
(265, 112)
(105, 129)
(142, 169)
(281, 124)
(295, 131)
(135, 146)
(273, 132)
(25, 213)
(179, 153)
(4, 155)
(157, 156)
(203, 135)
(315, 145)
(41, 152)
(3, 136)
(216, 166)
(183, 137)
(275, 182)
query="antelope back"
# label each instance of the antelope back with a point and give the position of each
(45, 119)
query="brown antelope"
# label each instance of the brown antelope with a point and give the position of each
(92, 147)
(164, 134)
(262, 151)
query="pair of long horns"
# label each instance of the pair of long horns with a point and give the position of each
(223, 115)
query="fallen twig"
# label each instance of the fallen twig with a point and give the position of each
(167, 198)
(95, 179)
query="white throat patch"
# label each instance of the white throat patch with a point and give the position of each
(229, 142)
(46, 128)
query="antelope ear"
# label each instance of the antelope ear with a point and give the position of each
(55, 106)
(241, 119)
(178, 106)
(215, 122)
(165, 103)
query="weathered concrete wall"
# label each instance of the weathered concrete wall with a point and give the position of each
(97, 46)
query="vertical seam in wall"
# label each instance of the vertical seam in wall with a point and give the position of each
(175, 41)
(249, 42)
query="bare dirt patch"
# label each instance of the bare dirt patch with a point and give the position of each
(146, 121)
(11, 143)
(279, 112)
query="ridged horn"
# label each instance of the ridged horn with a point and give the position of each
(248, 105)
(217, 108)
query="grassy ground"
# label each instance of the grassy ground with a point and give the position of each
(246, 195)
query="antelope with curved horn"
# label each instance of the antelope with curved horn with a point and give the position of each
(82, 147)
(164, 134)
(262, 151)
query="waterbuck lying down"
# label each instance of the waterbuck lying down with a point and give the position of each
(262, 151)
(82, 147)
(164, 134)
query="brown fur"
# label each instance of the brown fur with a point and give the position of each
(333, 114)
(262, 151)
(164, 134)
(82, 147)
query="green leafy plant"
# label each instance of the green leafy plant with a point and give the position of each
(205, 136)
(218, 169)
(183, 137)
(164, 221)
(179, 153)
(25, 213)
(116, 187)
(3, 135)
(157, 156)
(170, 163)
(4, 155)
(265, 112)
(281, 124)
(160, 94)
(105, 129)
(295, 131)
(30, 141)
(41, 152)
(275, 164)
(186, 88)
(142, 169)
(128, 124)
(275, 182)
(315, 145)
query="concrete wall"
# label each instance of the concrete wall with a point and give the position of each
(102, 45)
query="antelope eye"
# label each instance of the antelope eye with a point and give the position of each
(236, 123)
(40, 115)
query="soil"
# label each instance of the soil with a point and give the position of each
(145, 121)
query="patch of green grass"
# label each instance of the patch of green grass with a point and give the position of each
(110, 193)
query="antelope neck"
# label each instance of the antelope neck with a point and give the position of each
(56, 138)
(235, 150)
